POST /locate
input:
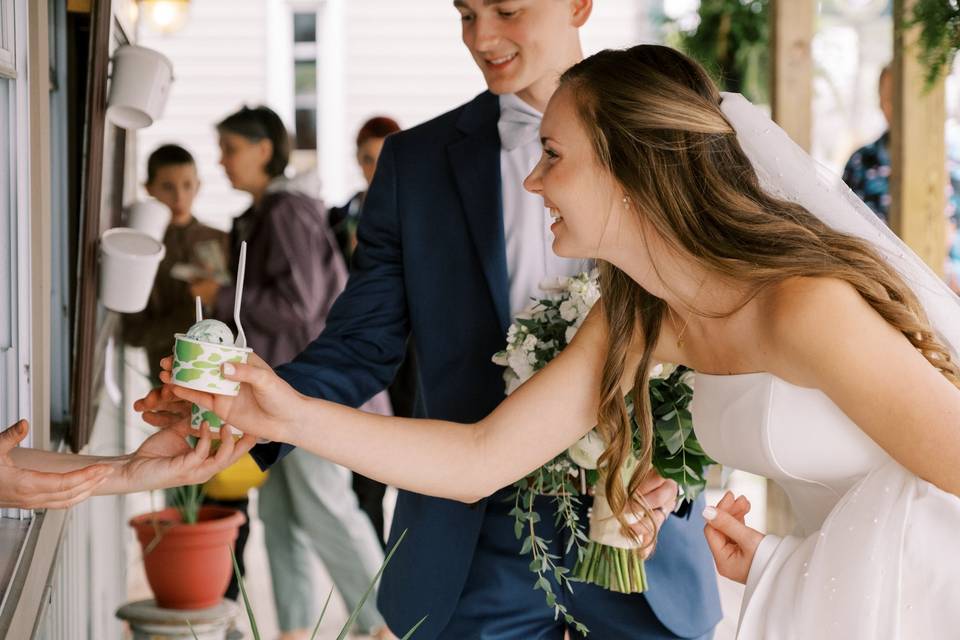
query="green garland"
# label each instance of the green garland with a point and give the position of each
(732, 40)
(939, 41)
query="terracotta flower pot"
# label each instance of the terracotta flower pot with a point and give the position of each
(189, 565)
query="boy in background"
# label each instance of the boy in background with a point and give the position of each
(193, 250)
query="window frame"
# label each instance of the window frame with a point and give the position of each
(8, 39)
(94, 323)
(16, 348)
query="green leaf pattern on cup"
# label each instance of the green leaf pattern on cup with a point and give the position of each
(197, 365)
(189, 375)
(198, 415)
(187, 351)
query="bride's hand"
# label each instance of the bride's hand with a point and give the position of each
(732, 542)
(266, 406)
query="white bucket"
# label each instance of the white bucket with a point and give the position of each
(128, 266)
(149, 216)
(139, 85)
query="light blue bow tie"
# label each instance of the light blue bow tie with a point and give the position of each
(517, 127)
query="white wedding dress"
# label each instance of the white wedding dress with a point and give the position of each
(876, 555)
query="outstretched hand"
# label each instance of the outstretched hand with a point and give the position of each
(266, 406)
(28, 489)
(166, 459)
(160, 407)
(731, 541)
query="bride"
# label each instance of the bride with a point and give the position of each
(824, 353)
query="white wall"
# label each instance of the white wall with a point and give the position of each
(220, 63)
(404, 59)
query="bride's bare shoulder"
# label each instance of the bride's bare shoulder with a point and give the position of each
(796, 298)
(801, 308)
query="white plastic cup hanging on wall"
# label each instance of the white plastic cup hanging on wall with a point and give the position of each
(139, 86)
(128, 265)
(149, 216)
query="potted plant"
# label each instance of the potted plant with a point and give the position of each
(187, 549)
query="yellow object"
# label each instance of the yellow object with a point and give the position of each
(235, 481)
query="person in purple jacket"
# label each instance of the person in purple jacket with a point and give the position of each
(294, 273)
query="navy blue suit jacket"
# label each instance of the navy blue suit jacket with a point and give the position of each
(431, 261)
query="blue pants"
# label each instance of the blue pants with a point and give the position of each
(500, 603)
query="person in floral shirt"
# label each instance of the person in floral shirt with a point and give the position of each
(867, 173)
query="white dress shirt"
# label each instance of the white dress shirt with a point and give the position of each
(526, 222)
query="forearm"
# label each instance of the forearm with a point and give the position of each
(463, 462)
(56, 462)
(431, 457)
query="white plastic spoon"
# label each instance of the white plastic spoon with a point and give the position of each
(241, 336)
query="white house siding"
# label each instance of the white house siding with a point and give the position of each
(220, 63)
(402, 58)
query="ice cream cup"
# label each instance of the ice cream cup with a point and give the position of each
(199, 414)
(196, 365)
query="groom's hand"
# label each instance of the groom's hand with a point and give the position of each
(161, 408)
(660, 497)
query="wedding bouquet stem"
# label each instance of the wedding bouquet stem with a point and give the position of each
(611, 559)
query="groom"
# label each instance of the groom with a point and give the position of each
(450, 245)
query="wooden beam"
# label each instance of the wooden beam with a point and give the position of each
(41, 259)
(917, 153)
(791, 86)
(791, 98)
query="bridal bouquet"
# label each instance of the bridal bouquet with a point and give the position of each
(606, 556)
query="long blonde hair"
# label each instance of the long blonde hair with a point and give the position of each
(653, 116)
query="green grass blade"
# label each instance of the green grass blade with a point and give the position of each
(246, 600)
(356, 611)
(414, 628)
(323, 612)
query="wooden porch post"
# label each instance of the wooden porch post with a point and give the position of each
(917, 154)
(791, 92)
(791, 89)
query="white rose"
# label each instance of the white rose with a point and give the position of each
(663, 371)
(520, 364)
(587, 450)
(530, 343)
(568, 310)
(688, 378)
(553, 285)
(569, 333)
(592, 294)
